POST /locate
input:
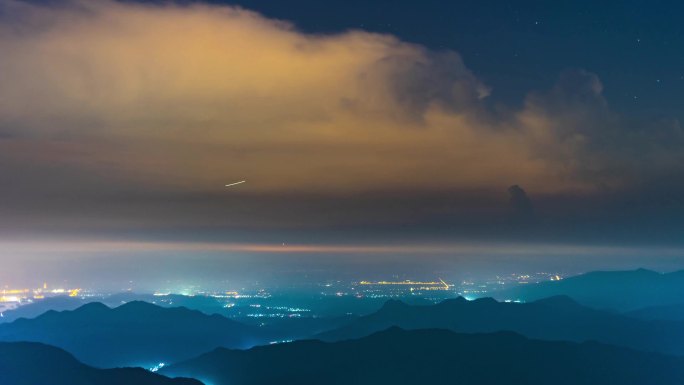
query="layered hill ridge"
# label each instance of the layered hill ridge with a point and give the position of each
(618, 290)
(555, 318)
(133, 334)
(399, 357)
(673, 312)
(31, 363)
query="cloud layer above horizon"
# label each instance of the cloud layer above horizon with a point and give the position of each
(130, 114)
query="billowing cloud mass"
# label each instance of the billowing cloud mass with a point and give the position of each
(101, 100)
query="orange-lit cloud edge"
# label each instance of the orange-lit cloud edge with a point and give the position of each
(464, 248)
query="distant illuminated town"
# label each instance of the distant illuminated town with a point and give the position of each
(262, 301)
(12, 298)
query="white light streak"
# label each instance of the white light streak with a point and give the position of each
(236, 183)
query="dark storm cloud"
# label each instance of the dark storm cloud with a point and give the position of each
(521, 205)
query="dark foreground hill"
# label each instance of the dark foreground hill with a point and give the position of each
(618, 290)
(557, 318)
(399, 357)
(29, 363)
(133, 334)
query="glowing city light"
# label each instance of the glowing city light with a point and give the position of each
(157, 367)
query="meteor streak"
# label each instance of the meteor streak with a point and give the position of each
(233, 184)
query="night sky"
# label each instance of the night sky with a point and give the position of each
(482, 135)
